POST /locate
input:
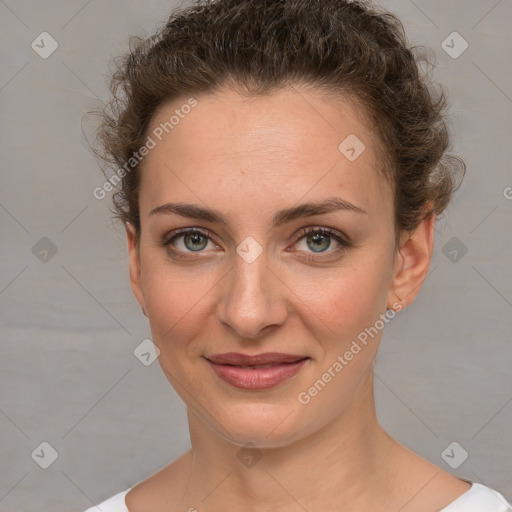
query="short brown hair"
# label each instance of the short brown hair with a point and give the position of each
(351, 49)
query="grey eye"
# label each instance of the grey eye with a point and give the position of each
(319, 242)
(195, 241)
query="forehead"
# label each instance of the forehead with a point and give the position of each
(284, 145)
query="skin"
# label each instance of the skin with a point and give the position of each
(248, 158)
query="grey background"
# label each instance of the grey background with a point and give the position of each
(69, 325)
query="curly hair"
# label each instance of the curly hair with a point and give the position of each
(352, 50)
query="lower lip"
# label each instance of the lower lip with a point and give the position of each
(257, 379)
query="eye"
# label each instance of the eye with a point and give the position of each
(188, 240)
(185, 242)
(319, 240)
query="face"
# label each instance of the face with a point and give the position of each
(248, 268)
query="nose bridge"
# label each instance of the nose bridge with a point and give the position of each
(251, 297)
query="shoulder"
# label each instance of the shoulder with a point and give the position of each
(114, 504)
(149, 494)
(479, 498)
(159, 490)
(153, 493)
(447, 492)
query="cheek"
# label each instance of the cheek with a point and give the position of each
(170, 305)
(347, 300)
(178, 303)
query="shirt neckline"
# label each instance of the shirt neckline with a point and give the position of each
(471, 489)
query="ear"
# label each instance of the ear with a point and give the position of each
(135, 266)
(412, 262)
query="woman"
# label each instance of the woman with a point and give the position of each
(282, 164)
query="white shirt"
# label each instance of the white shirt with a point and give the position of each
(478, 498)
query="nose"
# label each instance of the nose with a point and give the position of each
(252, 298)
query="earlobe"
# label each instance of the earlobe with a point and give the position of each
(412, 263)
(133, 243)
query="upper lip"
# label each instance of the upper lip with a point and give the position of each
(238, 359)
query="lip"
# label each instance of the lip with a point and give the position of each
(235, 368)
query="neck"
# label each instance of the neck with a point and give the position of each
(348, 461)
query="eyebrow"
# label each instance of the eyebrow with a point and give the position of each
(194, 211)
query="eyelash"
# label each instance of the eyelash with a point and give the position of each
(343, 242)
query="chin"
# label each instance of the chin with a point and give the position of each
(260, 425)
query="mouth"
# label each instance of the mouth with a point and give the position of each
(256, 372)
